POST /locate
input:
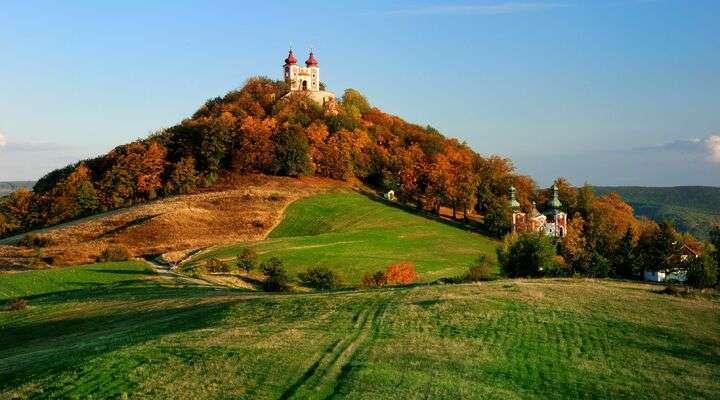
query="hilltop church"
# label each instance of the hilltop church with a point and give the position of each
(306, 79)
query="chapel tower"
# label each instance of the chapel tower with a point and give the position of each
(305, 78)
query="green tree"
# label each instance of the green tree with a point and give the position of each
(624, 258)
(291, 152)
(86, 198)
(702, 271)
(527, 255)
(320, 278)
(715, 241)
(184, 177)
(498, 217)
(276, 278)
(247, 260)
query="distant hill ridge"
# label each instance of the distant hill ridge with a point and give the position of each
(10, 186)
(694, 209)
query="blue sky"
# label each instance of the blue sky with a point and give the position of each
(612, 92)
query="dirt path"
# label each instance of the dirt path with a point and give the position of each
(167, 272)
(326, 376)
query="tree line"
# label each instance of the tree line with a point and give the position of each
(262, 128)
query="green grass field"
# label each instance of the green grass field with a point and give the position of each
(26, 284)
(545, 339)
(353, 234)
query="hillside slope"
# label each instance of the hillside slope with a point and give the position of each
(541, 339)
(353, 234)
(245, 209)
(693, 209)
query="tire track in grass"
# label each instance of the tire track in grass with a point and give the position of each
(321, 379)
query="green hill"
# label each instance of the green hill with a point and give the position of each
(353, 234)
(542, 339)
(693, 209)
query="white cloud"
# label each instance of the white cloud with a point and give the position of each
(3, 142)
(483, 9)
(706, 149)
(712, 144)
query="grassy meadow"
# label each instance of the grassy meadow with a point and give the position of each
(353, 234)
(143, 338)
(24, 284)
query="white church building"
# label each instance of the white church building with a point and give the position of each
(306, 79)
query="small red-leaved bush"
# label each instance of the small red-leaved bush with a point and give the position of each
(401, 273)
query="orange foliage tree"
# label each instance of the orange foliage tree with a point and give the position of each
(401, 273)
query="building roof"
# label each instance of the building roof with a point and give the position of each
(290, 60)
(514, 204)
(311, 61)
(534, 213)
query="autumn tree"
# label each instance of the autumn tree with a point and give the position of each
(153, 167)
(254, 145)
(74, 196)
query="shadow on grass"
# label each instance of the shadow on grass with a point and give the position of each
(123, 290)
(459, 224)
(119, 271)
(51, 347)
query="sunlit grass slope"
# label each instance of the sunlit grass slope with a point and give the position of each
(542, 339)
(353, 234)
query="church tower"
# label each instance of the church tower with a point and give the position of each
(305, 78)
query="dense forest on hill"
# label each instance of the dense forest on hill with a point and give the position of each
(262, 128)
(693, 209)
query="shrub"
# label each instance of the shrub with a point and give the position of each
(702, 272)
(320, 278)
(35, 240)
(18, 304)
(215, 265)
(276, 278)
(377, 278)
(247, 260)
(401, 273)
(527, 255)
(114, 253)
(481, 270)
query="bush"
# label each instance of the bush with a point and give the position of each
(215, 265)
(374, 279)
(702, 272)
(320, 278)
(247, 260)
(481, 270)
(527, 255)
(114, 253)
(18, 304)
(401, 273)
(377, 278)
(276, 278)
(35, 240)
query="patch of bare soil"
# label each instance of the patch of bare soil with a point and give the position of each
(239, 209)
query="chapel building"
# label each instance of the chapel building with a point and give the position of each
(306, 79)
(552, 223)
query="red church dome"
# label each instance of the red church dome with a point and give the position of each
(290, 60)
(311, 61)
